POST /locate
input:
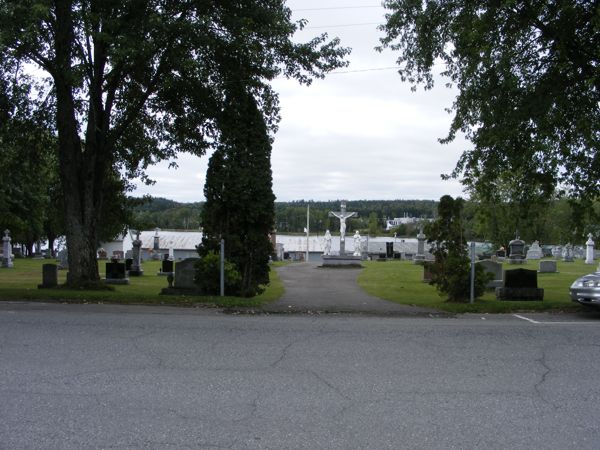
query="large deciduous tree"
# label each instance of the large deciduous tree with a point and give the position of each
(137, 81)
(528, 79)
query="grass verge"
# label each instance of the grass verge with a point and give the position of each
(401, 282)
(20, 283)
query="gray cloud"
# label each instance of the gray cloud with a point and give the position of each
(354, 135)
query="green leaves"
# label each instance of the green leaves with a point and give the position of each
(136, 82)
(528, 79)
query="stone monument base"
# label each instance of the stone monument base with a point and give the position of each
(419, 259)
(160, 273)
(135, 273)
(116, 280)
(504, 293)
(341, 261)
(180, 291)
(516, 260)
(7, 263)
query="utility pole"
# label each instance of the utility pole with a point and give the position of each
(307, 228)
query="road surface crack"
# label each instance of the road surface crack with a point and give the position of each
(537, 387)
(282, 355)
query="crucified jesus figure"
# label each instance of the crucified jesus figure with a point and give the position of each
(342, 215)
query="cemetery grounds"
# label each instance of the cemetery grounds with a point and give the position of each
(401, 282)
(393, 280)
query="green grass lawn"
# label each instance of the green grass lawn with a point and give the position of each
(20, 283)
(400, 282)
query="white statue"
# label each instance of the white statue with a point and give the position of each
(327, 250)
(357, 249)
(342, 215)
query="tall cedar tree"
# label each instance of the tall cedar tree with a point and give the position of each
(240, 204)
(135, 82)
(528, 81)
(451, 270)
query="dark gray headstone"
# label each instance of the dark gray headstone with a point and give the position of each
(548, 266)
(116, 273)
(167, 265)
(115, 270)
(49, 276)
(520, 284)
(185, 272)
(520, 278)
(182, 282)
(427, 272)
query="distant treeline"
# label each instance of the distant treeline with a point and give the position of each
(157, 212)
(290, 217)
(550, 222)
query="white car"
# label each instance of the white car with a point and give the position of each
(586, 290)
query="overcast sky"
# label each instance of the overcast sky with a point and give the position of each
(359, 134)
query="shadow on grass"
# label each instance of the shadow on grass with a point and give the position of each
(20, 283)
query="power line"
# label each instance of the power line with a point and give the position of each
(344, 25)
(338, 7)
(374, 69)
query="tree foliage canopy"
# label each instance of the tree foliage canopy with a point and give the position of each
(28, 164)
(135, 82)
(528, 75)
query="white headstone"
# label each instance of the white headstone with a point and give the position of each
(535, 251)
(589, 252)
(6, 250)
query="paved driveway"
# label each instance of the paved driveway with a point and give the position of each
(310, 288)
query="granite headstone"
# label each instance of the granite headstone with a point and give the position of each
(495, 269)
(116, 273)
(49, 276)
(520, 284)
(547, 266)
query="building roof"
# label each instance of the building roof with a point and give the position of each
(188, 240)
(177, 240)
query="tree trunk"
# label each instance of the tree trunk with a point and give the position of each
(78, 172)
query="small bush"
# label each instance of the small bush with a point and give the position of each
(208, 275)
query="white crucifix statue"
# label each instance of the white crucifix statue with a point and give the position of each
(342, 214)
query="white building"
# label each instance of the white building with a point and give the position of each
(178, 244)
(182, 244)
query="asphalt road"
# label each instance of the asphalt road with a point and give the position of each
(99, 376)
